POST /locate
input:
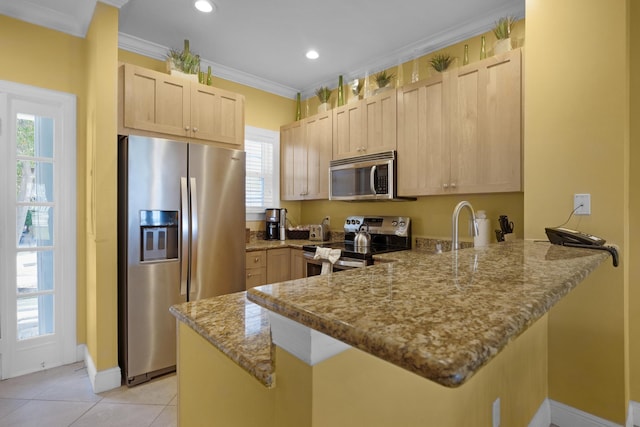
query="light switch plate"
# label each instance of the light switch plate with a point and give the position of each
(585, 201)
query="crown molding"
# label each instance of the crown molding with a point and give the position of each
(157, 51)
(75, 24)
(115, 3)
(479, 25)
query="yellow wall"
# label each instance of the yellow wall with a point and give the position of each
(357, 389)
(431, 216)
(53, 60)
(576, 121)
(633, 306)
(101, 191)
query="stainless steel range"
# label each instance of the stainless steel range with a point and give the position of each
(386, 234)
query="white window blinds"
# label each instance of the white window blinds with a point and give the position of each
(262, 171)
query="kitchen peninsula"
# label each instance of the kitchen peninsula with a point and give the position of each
(422, 340)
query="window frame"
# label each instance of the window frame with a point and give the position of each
(269, 137)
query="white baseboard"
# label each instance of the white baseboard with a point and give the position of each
(542, 418)
(103, 380)
(634, 408)
(80, 351)
(565, 416)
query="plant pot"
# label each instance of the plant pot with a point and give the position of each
(502, 46)
(192, 77)
(323, 108)
(381, 90)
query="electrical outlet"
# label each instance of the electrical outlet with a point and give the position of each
(328, 220)
(496, 413)
(582, 204)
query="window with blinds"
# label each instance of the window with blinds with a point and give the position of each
(262, 171)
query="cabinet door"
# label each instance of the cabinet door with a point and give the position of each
(298, 270)
(256, 268)
(486, 126)
(501, 115)
(379, 117)
(217, 115)
(466, 148)
(293, 162)
(348, 130)
(156, 102)
(278, 265)
(318, 135)
(423, 151)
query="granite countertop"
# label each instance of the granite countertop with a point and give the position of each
(237, 327)
(260, 245)
(440, 316)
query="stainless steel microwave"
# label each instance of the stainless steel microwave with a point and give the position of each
(368, 177)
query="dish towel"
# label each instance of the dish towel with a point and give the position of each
(329, 257)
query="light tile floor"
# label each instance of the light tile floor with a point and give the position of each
(62, 397)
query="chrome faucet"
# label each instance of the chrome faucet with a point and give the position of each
(455, 245)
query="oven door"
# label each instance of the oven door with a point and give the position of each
(313, 267)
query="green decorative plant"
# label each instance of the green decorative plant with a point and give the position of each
(323, 94)
(502, 29)
(383, 79)
(441, 61)
(185, 60)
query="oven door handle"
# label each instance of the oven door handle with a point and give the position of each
(339, 263)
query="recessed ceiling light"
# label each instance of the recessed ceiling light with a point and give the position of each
(203, 6)
(312, 54)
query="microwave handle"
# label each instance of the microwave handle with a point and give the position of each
(372, 179)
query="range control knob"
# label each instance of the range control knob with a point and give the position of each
(394, 223)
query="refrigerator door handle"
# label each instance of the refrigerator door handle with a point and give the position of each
(194, 235)
(184, 256)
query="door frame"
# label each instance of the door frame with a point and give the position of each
(66, 235)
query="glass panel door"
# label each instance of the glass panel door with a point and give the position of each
(37, 230)
(35, 208)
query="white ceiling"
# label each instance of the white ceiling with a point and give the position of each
(262, 43)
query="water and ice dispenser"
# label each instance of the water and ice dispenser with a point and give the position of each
(158, 235)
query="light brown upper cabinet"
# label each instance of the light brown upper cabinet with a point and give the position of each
(165, 106)
(305, 152)
(423, 149)
(460, 132)
(365, 127)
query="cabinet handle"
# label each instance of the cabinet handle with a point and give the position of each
(445, 185)
(249, 274)
(186, 128)
(257, 259)
(453, 185)
(195, 129)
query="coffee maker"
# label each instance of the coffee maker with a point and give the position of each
(272, 224)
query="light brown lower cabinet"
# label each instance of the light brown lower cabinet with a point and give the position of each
(274, 265)
(256, 268)
(298, 270)
(278, 265)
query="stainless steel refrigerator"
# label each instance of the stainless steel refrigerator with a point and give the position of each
(181, 237)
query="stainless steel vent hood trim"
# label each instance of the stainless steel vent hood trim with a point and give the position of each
(385, 155)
